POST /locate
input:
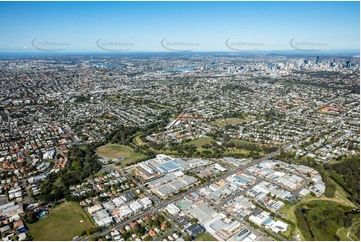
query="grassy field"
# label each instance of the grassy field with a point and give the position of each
(64, 222)
(113, 151)
(335, 199)
(244, 152)
(200, 141)
(233, 151)
(206, 140)
(331, 162)
(289, 211)
(134, 157)
(205, 237)
(342, 233)
(242, 142)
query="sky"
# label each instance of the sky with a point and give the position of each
(178, 26)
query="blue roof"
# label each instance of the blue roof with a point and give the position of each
(169, 166)
(23, 229)
(267, 221)
(241, 179)
(242, 234)
(214, 196)
(195, 195)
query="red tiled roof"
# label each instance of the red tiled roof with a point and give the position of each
(152, 232)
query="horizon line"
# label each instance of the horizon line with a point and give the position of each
(169, 51)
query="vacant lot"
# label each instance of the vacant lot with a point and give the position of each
(113, 151)
(64, 222)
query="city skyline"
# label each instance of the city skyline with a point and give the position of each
(179, 26)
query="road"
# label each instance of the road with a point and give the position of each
(171, 220)
(146, 192)
(348, 201)
(166, 234)
(348, 233)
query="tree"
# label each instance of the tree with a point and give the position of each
(206, 146)
(126, 235)
(30, 217)
(194, 220)
(160, 218)
(349, 170)
(187, 238)
(348, 221)
(142, 230)
(148, 238)
(156, 223)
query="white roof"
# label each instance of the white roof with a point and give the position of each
(172, 209)
(22, 236)
(135, 206)
(125, 211)
(145, 201)
(94, 208)
(118, 201)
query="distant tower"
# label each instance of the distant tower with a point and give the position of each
(348, 64)
(317, 59)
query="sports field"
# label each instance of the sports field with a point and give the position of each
(113, 151)
(64, 222)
